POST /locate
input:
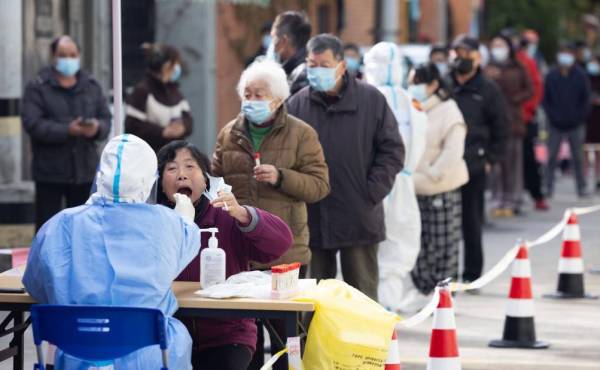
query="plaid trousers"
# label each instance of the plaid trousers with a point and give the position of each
(440, 238)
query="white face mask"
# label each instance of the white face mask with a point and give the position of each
(419, 92)
(500, 54)
(565, 59)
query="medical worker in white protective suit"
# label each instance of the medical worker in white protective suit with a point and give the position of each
(119, 250)
(398, 253)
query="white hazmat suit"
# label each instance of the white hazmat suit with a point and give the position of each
(117, 250)
(398, 253)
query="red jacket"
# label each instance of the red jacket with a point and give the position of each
(530, 106)
(264, 240)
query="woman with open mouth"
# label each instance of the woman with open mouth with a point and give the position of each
(245, 234)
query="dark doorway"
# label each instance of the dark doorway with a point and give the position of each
(138, 26)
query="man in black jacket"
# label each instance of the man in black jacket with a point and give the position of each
(64, 112)
(483, 108)
(290, 32)
(566, 102)
(362, 146)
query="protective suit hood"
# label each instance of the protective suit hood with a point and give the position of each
(127, 172)
(383, 65)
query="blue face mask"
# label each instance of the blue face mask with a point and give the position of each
(272, 54)
(321, 78)
(176, 74)
(593, 68)
(266, 41)
(442, 68)
(532, 50)
(67, 66)
(257, 111)
(352, 64)
(565, 59)
(418, 92)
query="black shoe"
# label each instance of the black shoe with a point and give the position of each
(583, 194)
(519, 212)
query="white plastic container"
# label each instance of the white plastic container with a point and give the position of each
(212, 262)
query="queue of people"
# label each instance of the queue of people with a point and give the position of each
(330, 156)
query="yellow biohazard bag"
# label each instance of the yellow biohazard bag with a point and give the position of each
(348, 331)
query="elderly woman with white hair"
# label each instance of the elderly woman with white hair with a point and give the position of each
(272, 160)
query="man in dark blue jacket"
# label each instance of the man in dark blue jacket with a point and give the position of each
(566, 102)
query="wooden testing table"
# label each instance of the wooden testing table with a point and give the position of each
(190, 305)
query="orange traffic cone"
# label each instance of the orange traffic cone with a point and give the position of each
(443, 347)
(519, 328)
(393, 360)
(570, 265)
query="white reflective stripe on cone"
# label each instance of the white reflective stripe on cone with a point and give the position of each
(519, 307)
(443, 318)
(570, 265)
(393, 354)
(521, 268)
(571, 232)
(447, 363)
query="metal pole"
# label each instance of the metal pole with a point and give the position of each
(389, 20)
(117, 65)
(443, 21)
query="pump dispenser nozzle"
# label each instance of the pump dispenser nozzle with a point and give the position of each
(213, 242)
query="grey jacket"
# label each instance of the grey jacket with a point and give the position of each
(364, 152)
(47, 109)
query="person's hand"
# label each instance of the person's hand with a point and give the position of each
(184, 206)
(174, 130)
(75, 128)
(266, 173)
(228, 202)
(433, 174)
(89, 130)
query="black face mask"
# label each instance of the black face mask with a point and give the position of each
(462, 66)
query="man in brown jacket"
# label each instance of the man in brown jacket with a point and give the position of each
(364, 151)
(290, 170)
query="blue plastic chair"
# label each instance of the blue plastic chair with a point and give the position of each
(98, 334)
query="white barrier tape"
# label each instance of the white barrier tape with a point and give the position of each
(585, 210)
(499, 268)
(493, 273)
(550, 234)
(273, 360)
(424, 313)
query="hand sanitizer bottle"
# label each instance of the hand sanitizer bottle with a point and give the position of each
(212, 261)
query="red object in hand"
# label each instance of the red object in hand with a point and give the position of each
(257, 159)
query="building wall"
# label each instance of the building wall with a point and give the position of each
(461, 13)
(238, 39)
(230, 64)
(190, 26)
(429, 25)
(359, 22)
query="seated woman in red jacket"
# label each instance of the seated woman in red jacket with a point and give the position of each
(245, 234)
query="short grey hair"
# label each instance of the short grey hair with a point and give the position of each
(268, 71)
(325, 41)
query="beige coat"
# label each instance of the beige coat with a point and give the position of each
(442, 167)
(294, 148)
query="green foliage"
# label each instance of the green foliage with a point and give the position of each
(553, 19)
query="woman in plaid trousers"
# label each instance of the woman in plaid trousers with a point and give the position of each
(438, 178)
